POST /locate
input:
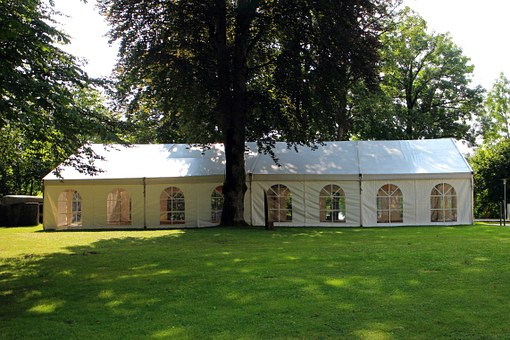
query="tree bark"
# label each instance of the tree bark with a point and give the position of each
(342, 115)
(342, 118)
(233, 108)
(409, 130)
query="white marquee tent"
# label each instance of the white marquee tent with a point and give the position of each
(355, 183)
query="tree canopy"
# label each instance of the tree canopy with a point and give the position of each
(491, 164)
(227, 71)
(425, 86)
(495, 120)
(48, 107)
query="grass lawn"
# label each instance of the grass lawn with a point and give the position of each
(225, 283)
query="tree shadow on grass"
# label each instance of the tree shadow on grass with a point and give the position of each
(224, 283)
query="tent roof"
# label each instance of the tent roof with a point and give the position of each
(372, 158)
(426, 156)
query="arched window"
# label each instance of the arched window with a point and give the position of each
(69, 209)
(172, 206)
(118, 207)
(332, 204)
(390, 204)
(279, 200)
(443, 203)
(216, 204)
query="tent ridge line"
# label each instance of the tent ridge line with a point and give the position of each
(463, 158)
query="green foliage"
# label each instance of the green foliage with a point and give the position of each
(48, 107)
(36, 76)
(348, 283)
(24, 163)
(207, 71)
(322, 48)
(425, 87)
(491, 164)
(296, 60)
(495, 122)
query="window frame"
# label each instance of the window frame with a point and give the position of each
(122, 200)
(172, 204)
(390, 204)
(331, 204)
(69, 209)
(443, 203)
(279, 198)
(217, 200)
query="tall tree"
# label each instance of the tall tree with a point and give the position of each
(495, 121)
(226, 71)
(47, 106)
(491, 164)
(425, 86)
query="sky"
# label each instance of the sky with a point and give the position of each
(480, 28)
(87, 29)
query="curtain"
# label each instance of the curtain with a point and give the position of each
(118, 207)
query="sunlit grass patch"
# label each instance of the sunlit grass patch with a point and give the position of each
(45, 307)
(32, 241)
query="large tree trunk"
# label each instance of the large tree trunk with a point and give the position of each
(342, 118)
(234, 186)
(410, 102)
(234, 110)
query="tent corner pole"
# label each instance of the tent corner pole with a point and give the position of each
(144, 181)
(360, 201)
(250, 178)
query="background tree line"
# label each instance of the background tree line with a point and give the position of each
(300, 71)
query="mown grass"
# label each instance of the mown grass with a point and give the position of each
(226, 283)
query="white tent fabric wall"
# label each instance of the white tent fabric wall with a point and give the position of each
(416, 197)
(145, 208)
(358, 168)
(305, 202)
(197, 196)
(93, 203)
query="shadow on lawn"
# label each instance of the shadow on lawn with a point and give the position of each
(223, 285)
